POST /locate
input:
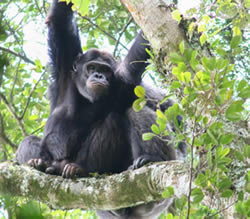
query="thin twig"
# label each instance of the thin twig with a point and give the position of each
(191, 171)
(28, 100)
(15, 79)
(3, 136)
(223, 209)
(41, 127)
(44, 7)
(14, 32)
(13, 113)
(106, 33)
(120, 35)
(18, 55)
(38, 8)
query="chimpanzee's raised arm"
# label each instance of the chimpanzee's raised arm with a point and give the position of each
(63, 39)
(135, 62)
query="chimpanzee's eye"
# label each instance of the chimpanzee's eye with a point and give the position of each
(91, 67)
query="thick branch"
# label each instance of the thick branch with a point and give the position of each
(155, 19)
(126, 189)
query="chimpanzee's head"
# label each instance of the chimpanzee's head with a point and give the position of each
(93, 74)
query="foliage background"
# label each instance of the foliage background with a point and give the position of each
(220, 28)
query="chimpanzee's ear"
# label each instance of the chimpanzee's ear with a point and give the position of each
(79, 56)
(77, 59)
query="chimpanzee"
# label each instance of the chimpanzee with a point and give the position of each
(92, 126)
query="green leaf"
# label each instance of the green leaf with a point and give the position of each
(221, 152)
(201, 180)
(67, 1)
(39, 66)
(197, 195)
(168, 192)
(226, 139)
(236, 30)
(81, 5)
(176, 58)
(188, 54)
(155, 129)
(169, 216)
(245, 93)
(139, 104)
(209, 63)
(224, 184)
(233, 112)
(221, 63)
(182, 47)
(161, 115)
(222, 162)
(165, 98)
(139, 91)
(213, 113)
(212, 137)
(194, 62)
(203, 38)
(201, 28)
(176, 15)
(241, 85)
(246, 151)
(187, 77)
(221, 51)
(162, 125)
(176, 84)
(205, 62)
(240, 208)
(240, 196)
(165, 133)
(180, 202)
(147, 136)
(238, 155)
(247, 187)
(212, 63)
(33, 117)
(227, 193)
(235, 41)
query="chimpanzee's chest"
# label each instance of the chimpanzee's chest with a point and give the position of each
(108, 145)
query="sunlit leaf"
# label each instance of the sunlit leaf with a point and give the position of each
(176, 15)
(147, 136)
(168, 192)
(139, 91)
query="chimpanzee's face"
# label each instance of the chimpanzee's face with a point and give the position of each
(93, 74)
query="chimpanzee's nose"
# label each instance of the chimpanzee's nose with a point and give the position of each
(98, 75)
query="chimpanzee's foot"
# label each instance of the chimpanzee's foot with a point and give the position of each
(144, 159)
(38, 164)
(72, 170)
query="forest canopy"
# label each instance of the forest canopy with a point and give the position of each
(207, 73)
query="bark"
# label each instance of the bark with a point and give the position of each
(116, 191)
(155, 19)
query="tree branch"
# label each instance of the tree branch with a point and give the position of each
(3, 136)
(162, 31)
(18, 55)
(13, 113)
(120, 35)
(122, 190)
(30, 95)
(105, 32)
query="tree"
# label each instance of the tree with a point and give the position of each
(201, 60)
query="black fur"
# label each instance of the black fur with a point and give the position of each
(92, 126)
